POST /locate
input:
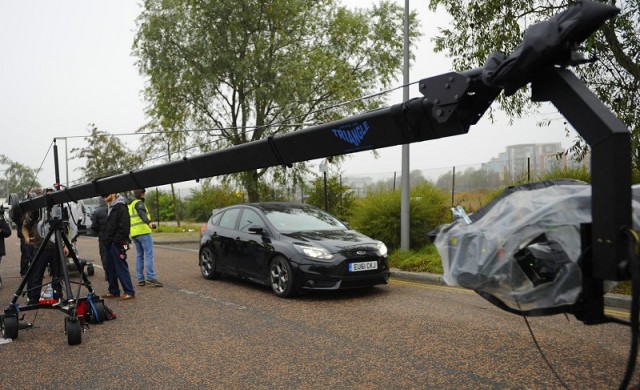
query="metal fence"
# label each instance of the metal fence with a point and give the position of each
(467, 183)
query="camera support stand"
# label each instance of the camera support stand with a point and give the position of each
(68, 303)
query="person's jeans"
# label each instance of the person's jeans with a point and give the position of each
(144, 257)
(48, 256)
(118, 270)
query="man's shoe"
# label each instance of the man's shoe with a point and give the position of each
(127, 296)
(155, 282)
(141, 283)
(110, 295)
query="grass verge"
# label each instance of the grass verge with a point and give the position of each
(428, 260)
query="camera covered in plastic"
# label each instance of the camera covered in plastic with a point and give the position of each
(522, 250)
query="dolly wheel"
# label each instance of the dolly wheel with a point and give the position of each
(73, 328)
(90, 270)
(10, 326)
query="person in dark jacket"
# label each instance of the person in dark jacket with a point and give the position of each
(115, 236)
(35, 228)
(98, 221)
(5, 231)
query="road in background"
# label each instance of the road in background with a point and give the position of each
(196, 333)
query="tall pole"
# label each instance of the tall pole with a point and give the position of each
(66, 159)
(405, 199)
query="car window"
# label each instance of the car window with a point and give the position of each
(229, 218)
(300, 220)
(215, 219)
(250, 218)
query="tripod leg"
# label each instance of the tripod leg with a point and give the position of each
(61, 240)
(83, 275)
(29, 274)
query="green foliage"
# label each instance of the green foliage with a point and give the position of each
(340, 198)
(479, 28)
(244, 70)
(190, 230)
(378, 215)
(17, 178)
(579, 173)
(425, 259)
(105, 155)
(161, 205)
(202, 201)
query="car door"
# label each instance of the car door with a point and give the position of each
(251, 246)
(224, 239)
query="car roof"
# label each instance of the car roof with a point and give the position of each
(274, 206)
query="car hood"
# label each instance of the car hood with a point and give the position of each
(334, 240)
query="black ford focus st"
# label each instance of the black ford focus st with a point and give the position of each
(290, 247)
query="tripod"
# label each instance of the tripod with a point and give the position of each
(69, 303)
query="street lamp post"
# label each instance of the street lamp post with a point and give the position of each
(405, 199)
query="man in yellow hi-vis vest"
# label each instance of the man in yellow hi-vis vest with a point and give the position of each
(141, 226)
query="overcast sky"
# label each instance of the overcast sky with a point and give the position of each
(65, 64)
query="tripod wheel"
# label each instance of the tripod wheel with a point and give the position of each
(90, 270)
(73, 328)
(10, 326)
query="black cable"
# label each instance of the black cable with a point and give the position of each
(544, 357)
(634, 267)
(251, 128)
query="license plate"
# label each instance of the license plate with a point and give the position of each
(364, 266)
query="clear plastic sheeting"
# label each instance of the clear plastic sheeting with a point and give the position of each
(522, 249)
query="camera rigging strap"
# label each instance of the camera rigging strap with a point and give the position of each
(135, 181)
(66, 191)
(274, 148)
(191, 168)
(97, 188)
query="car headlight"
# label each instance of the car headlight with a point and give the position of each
(382, 248)
(314, 252)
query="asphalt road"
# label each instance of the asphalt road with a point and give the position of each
(196, 333)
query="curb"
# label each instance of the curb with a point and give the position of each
(610, 300)
(176, 242)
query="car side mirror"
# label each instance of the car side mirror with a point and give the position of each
(256, 229)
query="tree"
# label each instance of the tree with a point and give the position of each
(340, 198)
(163, 206)
(105, 156)
(478, 28)
(167, 143)
(209, 197)
(18, 178)
(243, 70)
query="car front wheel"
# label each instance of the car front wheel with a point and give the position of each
(208, 264)
(281, 278)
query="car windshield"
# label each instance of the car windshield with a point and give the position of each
(289, 220)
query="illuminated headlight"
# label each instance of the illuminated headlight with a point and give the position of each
(314, 252)
(382, 248)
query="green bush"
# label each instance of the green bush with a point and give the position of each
(378, 215)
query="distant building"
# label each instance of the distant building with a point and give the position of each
(537, 157)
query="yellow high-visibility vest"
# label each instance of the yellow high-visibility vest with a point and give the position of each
(138, 226)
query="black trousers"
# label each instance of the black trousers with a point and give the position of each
(48, 257)
(26, 255)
